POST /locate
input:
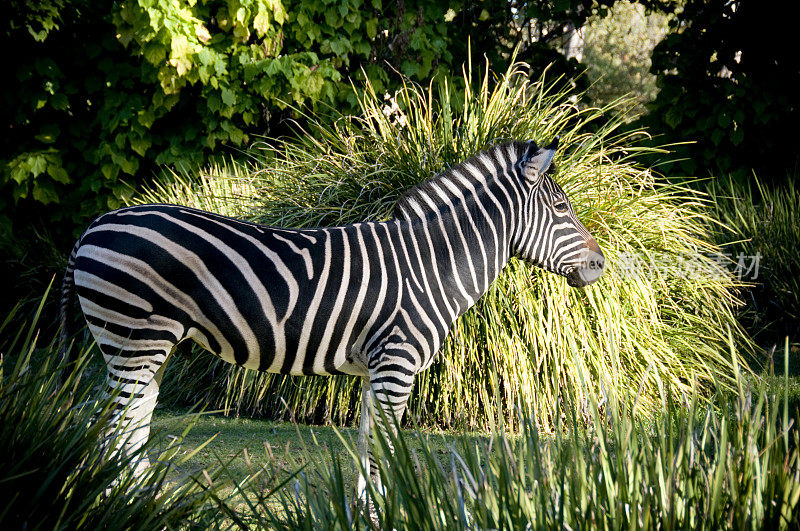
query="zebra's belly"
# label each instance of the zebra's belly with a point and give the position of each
(296, 357)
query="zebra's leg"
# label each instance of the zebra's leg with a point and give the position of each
(364, 429)
(382, 405)
(133, 382)
(390, 384)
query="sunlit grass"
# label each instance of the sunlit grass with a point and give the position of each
(531, 339)
(734, 463)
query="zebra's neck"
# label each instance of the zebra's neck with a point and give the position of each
(464, 222)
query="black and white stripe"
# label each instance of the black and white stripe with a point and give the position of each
(369, 299)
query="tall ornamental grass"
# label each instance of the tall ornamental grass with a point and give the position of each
(659, 315)
(734, 465)
(765, 223)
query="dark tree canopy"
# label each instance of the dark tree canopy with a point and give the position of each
(728, 76)
(103, 95)
(106, 93)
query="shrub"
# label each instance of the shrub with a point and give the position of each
(531, 338)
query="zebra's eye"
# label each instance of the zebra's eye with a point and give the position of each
(561, 206)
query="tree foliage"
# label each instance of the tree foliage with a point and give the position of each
(728, 74)
(103, 95)
(617, 49)
(105, 92)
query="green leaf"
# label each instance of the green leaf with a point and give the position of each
(155, 53)
(110, 171)
(673, 117)
(59, 101)
(410, 68)
(341, 46)
(58, 173)
(129, 165)
(44, 192)
(20, 192)
(38, 165)
(140, 145)
(333, 19)
(228, 97)
(146, 117)
(372, 28)
(261, 23)
(20, 172)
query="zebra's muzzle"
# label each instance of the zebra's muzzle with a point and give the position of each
(590, 267)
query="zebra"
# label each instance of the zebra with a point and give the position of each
(374, 299)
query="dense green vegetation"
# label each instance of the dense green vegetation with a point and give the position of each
(665, 395)
(732, 462)
(616, 52)
(730, 95)
(105, 95)
(54, 474)
(693, 467)
(761, 240)
(640, 325)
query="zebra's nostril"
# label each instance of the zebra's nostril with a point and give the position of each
(593, 255)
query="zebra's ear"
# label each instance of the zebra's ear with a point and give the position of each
(538, 160)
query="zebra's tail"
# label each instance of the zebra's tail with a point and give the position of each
(67, 354)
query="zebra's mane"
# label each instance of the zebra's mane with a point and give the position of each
(418, 193)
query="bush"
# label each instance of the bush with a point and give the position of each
(107, 93)
(531, 338)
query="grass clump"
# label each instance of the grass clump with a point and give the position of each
(763, 222)
(53, 472)
(531, 338)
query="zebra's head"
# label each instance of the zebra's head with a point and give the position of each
(551, 236)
